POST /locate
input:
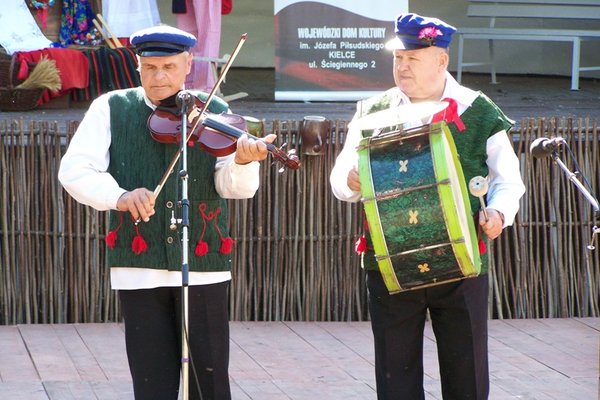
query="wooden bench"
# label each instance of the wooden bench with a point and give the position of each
(563, 10)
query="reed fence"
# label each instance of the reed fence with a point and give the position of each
(294, 258)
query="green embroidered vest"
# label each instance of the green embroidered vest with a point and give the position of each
(137, 160)
(482, 120)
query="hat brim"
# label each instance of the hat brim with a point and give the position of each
(159, 49)
(157, 53)
(395, 44)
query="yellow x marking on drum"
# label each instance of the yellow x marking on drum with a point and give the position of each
(413, 214)
(423, 268)
(403, 166)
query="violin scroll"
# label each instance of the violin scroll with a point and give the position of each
(289, 159)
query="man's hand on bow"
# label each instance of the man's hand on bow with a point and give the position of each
(139, 202)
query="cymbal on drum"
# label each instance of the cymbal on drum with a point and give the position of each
(399, 115)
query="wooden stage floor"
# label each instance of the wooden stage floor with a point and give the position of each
(539, 359)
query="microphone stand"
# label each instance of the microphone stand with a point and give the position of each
(186, 100)
(593, 202)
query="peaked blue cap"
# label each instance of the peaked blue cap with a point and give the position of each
(160, 41)
(414, 32)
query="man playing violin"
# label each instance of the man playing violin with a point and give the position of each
(458, 309)
(110, 164)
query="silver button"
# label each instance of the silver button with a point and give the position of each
(170, 239)
(169, 204)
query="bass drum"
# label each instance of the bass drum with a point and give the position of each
(416, 204)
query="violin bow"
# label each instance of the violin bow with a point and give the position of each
(217, 84)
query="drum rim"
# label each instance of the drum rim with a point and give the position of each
(469, 263)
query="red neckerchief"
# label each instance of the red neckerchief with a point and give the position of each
(449, 114)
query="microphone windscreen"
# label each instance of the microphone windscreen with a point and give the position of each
(538, 147)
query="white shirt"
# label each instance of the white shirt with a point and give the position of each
(504, 178)
(83, 174)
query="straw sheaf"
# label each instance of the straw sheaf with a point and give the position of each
(44, 75)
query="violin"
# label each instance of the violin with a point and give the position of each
(165, 123)
(216, 134)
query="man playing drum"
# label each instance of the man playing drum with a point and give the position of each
(458, 309)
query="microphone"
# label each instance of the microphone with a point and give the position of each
(541, 147)
(184, 98)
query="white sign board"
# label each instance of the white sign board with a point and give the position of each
(333, 50)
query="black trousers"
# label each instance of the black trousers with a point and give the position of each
(153, 341)
(459, 316)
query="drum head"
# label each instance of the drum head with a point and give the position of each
(417, 207)
(399, 115)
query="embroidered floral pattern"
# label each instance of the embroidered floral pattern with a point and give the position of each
(76, 23)
(429, 34)
(212, 216)
(138, 244)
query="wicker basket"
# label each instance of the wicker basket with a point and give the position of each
(5, 60)
(12, 99)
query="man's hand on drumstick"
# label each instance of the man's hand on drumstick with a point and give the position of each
(492, 227)
(139, 202)
(352, 180)
(490, 220)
